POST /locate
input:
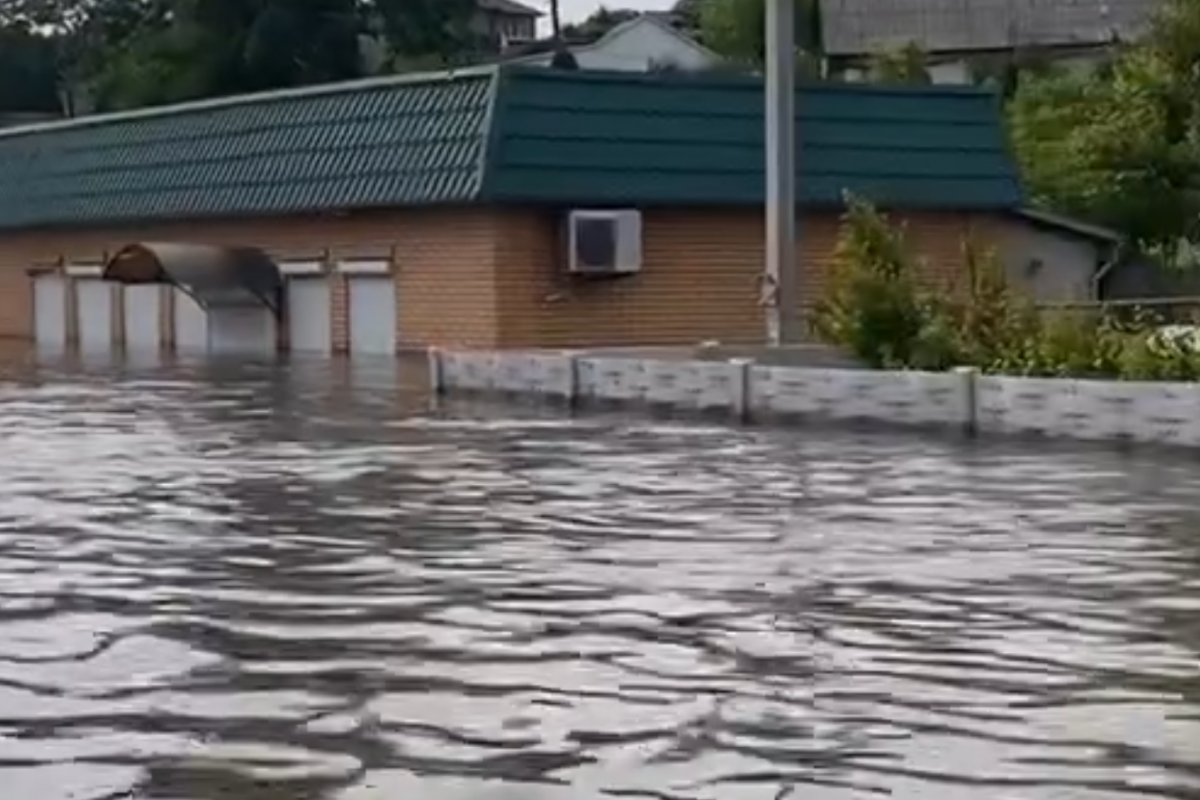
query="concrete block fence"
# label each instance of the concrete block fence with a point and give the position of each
(962, 400)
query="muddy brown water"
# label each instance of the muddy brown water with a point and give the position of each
(301, 582)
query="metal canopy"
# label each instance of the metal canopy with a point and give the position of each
(216, 277)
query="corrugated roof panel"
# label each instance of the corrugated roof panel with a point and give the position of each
(698, 140)
(400, 142)
(552, 137)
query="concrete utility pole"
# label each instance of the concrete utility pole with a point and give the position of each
(781, 280)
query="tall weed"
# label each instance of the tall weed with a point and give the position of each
(875, 307)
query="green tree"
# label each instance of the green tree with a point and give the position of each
(67, 28)
(1121, 144)
(686, 14)
(209, 48)
(28, 75)
(299, 44)
(131, 53)
(427, 33)
(736, 29)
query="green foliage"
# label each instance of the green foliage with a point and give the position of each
(28, 74)
(1120, 144)
(686, 14)
(992, 325)
(875, 307)
(735, 29)
(425, 31)
(905, 65)
(129, 53)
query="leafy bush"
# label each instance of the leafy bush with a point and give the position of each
(995, 328)
(1120, 144)
(875, 307)
(1163, 355)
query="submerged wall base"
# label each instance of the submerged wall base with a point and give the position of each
(961, 401)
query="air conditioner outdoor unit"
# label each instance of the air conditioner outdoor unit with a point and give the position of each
(604, 242)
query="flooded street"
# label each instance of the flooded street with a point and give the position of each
(303, 584)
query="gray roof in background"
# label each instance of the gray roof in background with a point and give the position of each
(854, 27)
(508, 7)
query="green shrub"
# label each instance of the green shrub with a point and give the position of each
(1160, 356)
(1080, 345)
(872, 305)
(875, 307)
(997, 329)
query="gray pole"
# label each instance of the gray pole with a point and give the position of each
(783, 316)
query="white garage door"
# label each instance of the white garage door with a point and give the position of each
(50, 312)
(142, 314)
(241, 331)
(94, 310)
(308, 315)
(191, 324)
(372, 312)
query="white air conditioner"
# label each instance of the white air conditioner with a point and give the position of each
(605, 242)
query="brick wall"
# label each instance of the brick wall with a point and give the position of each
(699, 277)
(444, 264)
(496, 279)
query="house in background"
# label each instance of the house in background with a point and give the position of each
(1054, 258)
(643, 43)
(506, 22)
(487, 207)
(959, 37)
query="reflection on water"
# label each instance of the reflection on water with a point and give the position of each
(254, 583)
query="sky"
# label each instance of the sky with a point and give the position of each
(575, 10)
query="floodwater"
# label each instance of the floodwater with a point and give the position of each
(303, 583)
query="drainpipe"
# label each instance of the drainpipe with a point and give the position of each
(1115, 255)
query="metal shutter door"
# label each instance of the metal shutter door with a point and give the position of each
(95, 315)
(50, 312)
(372, 312)
(142, 314)
(241, 331)
(191, 325)
(308, 315)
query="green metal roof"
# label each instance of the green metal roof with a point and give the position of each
(502, 135)
(369, 143)
(615, 137)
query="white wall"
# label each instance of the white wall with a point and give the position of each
(950, 72)
(964, 401)
(635, 48)
(1068, 263)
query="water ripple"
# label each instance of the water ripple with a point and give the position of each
(297, 582)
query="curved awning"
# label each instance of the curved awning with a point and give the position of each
(217, 277)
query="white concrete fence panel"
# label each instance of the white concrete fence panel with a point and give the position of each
(961, 400)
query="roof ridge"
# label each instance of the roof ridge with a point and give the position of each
(694, 140)
(253, 98)
(720, 79)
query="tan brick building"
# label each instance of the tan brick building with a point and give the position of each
(491, 208)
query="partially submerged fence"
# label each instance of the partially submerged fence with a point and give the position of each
(962, 401)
